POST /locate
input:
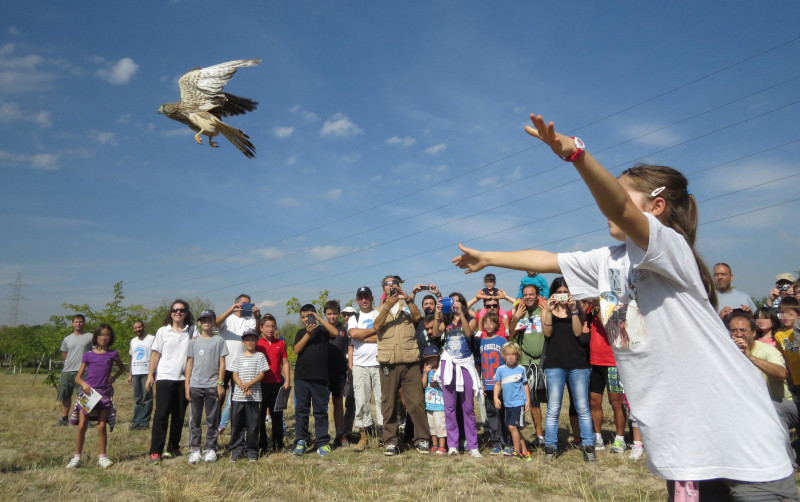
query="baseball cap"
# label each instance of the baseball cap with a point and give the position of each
(207, 314)
(249, 332)
(430, 351)
(363, 291)
(785, 277)
(348, 310)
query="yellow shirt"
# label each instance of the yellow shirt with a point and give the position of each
(785, 343)
(778, 390)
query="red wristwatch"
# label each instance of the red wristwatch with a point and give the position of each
(581, 147)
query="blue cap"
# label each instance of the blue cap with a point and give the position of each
(430, 351)
(207, 314)
(250, 332)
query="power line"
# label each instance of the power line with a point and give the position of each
(482, 166)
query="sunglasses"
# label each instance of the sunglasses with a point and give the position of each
(178, 311)
(492, 306)
(390, 283)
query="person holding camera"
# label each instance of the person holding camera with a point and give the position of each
(311, 379)
(232, 323)
(398, 356)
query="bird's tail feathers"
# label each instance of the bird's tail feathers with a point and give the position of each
(238, 139)
(237, 105)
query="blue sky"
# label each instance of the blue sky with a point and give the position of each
(386, 134)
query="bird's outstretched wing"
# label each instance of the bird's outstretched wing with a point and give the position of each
(201, 88)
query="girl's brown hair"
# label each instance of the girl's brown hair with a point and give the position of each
(680, 213)
(493, 317)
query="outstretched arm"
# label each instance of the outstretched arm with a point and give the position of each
(538, 261)
(612, 198)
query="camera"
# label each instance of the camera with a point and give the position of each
(561, 297)
(392, 291)
(424, 288)
(447, 305)
(311, 320)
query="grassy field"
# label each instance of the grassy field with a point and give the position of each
(33, 454)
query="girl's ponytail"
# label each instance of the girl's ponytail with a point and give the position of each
(681, 209)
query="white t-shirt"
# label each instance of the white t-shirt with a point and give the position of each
(140, 351)
(173, 347)
(231, 331)
(690, 388)
(364, 354)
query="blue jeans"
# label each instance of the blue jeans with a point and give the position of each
(579, 383)
(143, 400)
(226, 410)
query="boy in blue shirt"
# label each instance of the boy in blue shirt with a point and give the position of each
(511, 380)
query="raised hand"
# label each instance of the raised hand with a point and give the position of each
(563, 146)
(471, 260)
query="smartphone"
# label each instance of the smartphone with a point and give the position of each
(392, 291)
(561, 297)
(424, 288)
(311, 320)
(247, 309)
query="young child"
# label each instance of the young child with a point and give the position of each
(94, 375)
(274, 349)
(510, 380)
(205, 386)
(248, 371)
(490, 290)
(491, 346)
(434, 401)
(657, 305)
(788, 343)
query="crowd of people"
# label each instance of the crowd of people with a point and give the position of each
(709, 383)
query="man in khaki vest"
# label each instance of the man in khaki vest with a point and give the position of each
(398, 356)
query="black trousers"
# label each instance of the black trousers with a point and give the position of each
(244, 428)
(269, 392)
(170, 411)
(311, 393)
(497, 422)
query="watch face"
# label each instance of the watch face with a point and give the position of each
(579, 143)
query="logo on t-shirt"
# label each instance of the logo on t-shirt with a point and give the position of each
(624, 324)
(201, 352)
(245, 364)
(139, 353)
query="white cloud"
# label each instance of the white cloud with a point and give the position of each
(23, 74)
(488, 182)
(269, 253)
(403, 142)
(351, 158)
(339, 126)
(7, 49)
(11, 112)
(326, 252)
(125, 118)
(334, 194)
(41, 161)
(102, 137)
(282, 132)
(117, 73)
(516, 173)
(440, 169)
(287, 202)
(307, 116)
(651, 135)
(436, 149)
(269, 304)
(13, 31)
(291, 160)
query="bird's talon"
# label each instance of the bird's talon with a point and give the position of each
(198, 139)
(213, 144)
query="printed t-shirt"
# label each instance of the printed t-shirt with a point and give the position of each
(530, 337)
(689, 386)
(205, 354)
(364, 354)
(786, 344)
(491, 359)
(140, 351)
(512, 381)
(434, 399)
(275, 353)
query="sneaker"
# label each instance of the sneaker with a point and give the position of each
(324, 450)
(422, 447)
(576, 443)
(252, 460)
(441, 451)
(496, 451)
(155, 458)
(299, 448)
(598, 444)
(211, 456)
(452, 452)
(235, 457)
(344, 441)
(62, 421)
(550, 453)
(268, 419)
(391, 450)
(636, 452)
(172, 454)
(526, 456)
(588, 454)
(537, 442)
(474, 453)
(74, 463)
(194, 456)
(220, 431)
(508, 451)
(618, 446)
(104, 462)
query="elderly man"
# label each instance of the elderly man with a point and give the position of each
(398, 356)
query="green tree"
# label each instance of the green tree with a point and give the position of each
(119, 317)
(156, 318)
(294, 305)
